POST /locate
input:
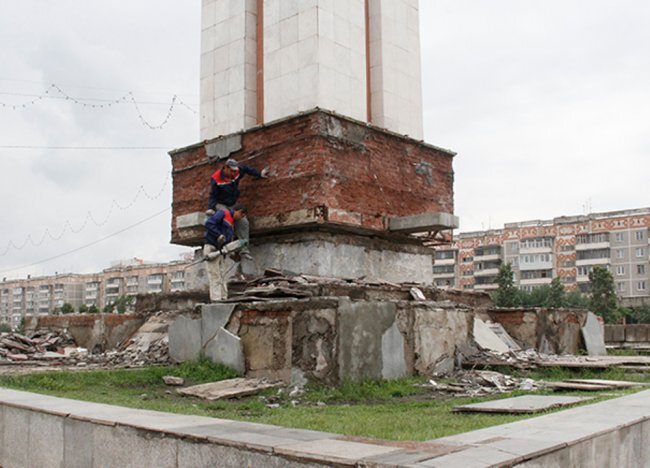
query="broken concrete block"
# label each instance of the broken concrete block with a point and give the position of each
(226, 348)
(594, 336)
(522, 404)
(231, 388)
(213, 318)
(487, 339)
(173, 381)
(417, 294)
(184, 339)
(223, 147)
(392, 354)
(362, 327)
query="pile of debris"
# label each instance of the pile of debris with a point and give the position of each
(480, 383)
(279, 284)
(17, 347)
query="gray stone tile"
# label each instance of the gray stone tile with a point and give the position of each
(252, 440)
(77, 444)
(400, 458)
(472, 457)
(213, 318)
(333, 450)
(522, 404)
(16, 440)
(45, 440)
(126, 447)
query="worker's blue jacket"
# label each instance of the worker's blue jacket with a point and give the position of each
(224, 190)
(220, 223)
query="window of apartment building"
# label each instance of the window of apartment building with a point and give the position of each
(443, 269)
(537, 243)
(592, 238)
(132, 284)
(567, 263)
(468, 272)
(640, 269)
(639, 252)
(640, 286)
(620, 270)
(584, 270)
(620, 253)
(468, 259)
(444, 254)
(468, 286)
(619, 236)
(620, 286)
(639, 235)
(592, 254)
(567, 248)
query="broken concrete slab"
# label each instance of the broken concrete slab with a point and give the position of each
(231, 388)
(213, 318)
(521, 404)
(594, 335)
(173, 381)
(226, 348)
(611, 383)
(362, 341)
(487, 339)
(503, 335)
(184, 344)
(392, 354)
(423, 223)
(578, 386)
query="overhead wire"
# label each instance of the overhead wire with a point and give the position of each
(89, 244)
(67, 225)
(128, 98)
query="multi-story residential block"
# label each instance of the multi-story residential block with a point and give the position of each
(568, 247)
(46, 295)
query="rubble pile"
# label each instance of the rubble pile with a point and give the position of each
(480, 383)
(148, 346)
(275, 284)
(17, 347)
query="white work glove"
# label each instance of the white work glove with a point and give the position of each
(209, 212)
(265, 173)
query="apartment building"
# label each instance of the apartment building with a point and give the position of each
(46, 295)
(568, 247)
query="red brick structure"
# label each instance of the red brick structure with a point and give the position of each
(327, 170)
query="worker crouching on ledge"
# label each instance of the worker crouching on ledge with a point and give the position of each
(224, 192)
(220, 231)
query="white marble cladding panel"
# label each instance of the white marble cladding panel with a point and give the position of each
(314, 56)
(228, 66)
(395, 70)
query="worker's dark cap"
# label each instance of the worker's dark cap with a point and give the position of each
(239, 207)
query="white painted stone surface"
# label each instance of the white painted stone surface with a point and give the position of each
(395, 70)
(228, 66)
(314, 56)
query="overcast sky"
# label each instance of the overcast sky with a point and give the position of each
(547, 104)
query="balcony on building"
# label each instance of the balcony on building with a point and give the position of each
(485, 282)
(536, 261)
(536, 277)
(536, 245)
(445, 257)
(487, 253)
(597, 241)
(444, 271)
(599, 257)
(487, 268)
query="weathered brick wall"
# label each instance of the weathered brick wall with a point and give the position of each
(360, 173)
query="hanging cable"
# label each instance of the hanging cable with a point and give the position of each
(67, 226)
(90, 244)
(127, 98)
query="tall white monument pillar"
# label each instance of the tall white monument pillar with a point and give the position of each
(262, 60)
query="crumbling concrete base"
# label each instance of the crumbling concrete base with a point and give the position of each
(343, 256)
(328, 339)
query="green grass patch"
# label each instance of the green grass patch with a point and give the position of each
(396, 410)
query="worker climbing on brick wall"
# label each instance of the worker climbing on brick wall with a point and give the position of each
(224, 192)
